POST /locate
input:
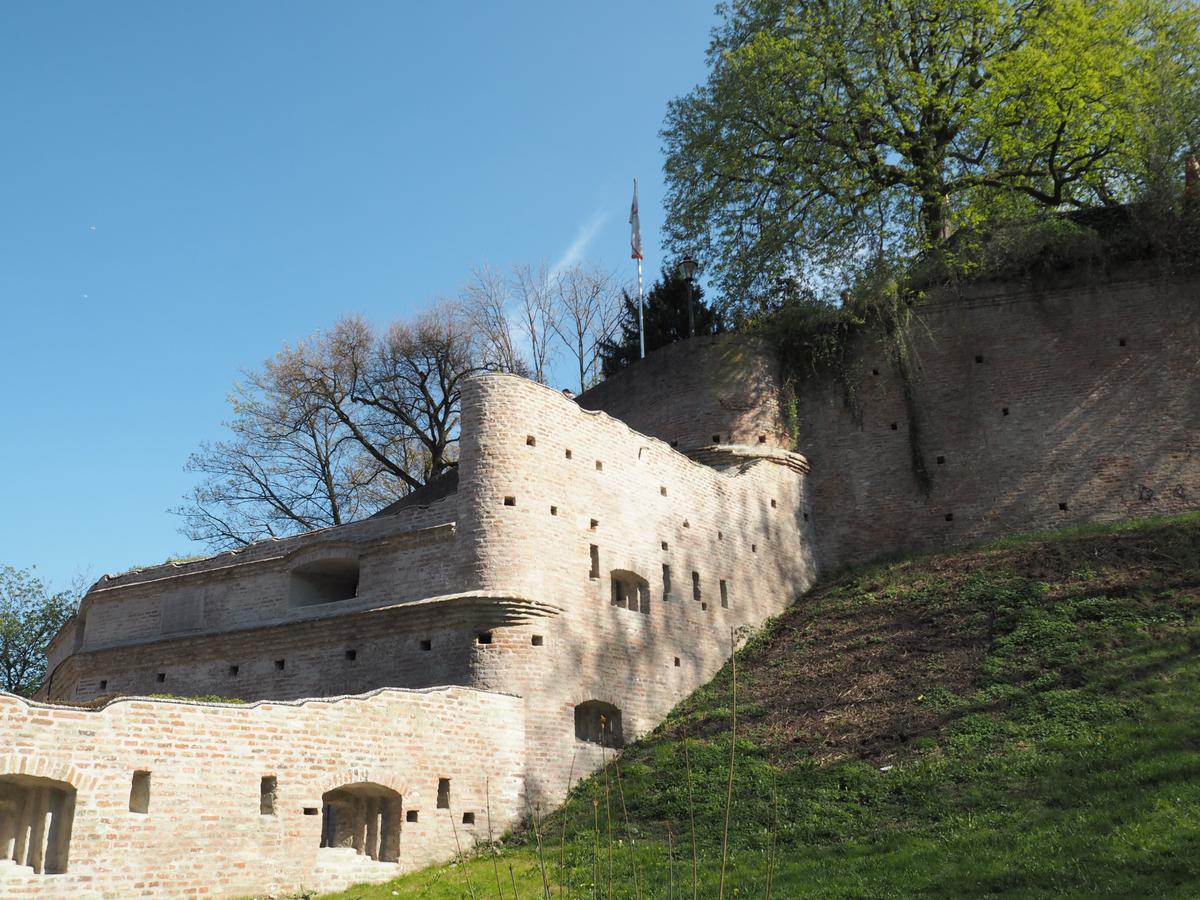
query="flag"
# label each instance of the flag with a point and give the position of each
(635, 238)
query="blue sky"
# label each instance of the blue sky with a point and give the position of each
(188, 186)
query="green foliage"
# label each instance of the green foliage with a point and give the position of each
(832, 132)
(30, 615)
(665, 317)
(1066, 766)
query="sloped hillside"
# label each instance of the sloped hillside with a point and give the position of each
(1021, 719)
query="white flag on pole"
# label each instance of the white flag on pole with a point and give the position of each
(635, 225)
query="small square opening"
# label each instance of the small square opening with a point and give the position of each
(233, 671)
(103, 683)
(266, 795)
(554, 510)
(599, 466)
(567, 454)
(762, 438)
(484, 638)
(139, 792)
(662, 490)
(874, 371)
(510, 501)
(468, 818)
(279, 664)
(754, 548)
(666, 546)
(537, 640)
(949, 517)
(411, 815)
(1121, 342)
(530, 440)
(941, 460)
(351, 655)
(594, 524)
(677, 662)
(426, 644)
(894, 426)
(1063, 507)
(716, 439)
(978, 359)
(160, 677)
(311, 811)
(773, 503)
(1004, 411)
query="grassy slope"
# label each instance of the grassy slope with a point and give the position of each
(1038, 701)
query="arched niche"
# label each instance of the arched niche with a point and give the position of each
(598, 722)
(629, 590)
(35, 822)
(364, 817)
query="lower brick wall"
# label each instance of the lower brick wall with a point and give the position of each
(208, 827)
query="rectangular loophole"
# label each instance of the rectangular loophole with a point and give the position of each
(510, 501)
(666, 580)
(412, 815)
(484, 638)
(468, 818)
(160, 677)
(554, 510)
(266, 795)
(677, 662)
(311, 811)
(599, 466)
(594, 524)
(665, 546)
(351, 655)
(663, 490)
(530, 440)
(426, 644)
(537, 640)
(139, 792)
(233, 671)
(724, 594)
(443, 797)
(1063, 507)
(103, 683)
(695, 585)
(567, 454)
(594, 552)
(280, 663)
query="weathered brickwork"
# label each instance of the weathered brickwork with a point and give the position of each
(171, 798)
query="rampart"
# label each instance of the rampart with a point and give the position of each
(148, 797)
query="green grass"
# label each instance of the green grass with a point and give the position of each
(1037, 699)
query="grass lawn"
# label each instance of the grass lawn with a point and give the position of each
(1020, 719)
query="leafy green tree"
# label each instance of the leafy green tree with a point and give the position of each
(835, 131)
(30, 615)
(666, 321)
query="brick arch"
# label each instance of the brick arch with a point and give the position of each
(391, 779)
(16, 764)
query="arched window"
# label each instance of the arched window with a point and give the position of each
(35, 822)
(323, 581)
(630, 590)
(365, 817)
(598, 722)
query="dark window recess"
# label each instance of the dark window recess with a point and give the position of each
(594, 524)
(773, 503)
(720, 536)
(762, 438)
(754, 548)
(530, 441)
(598, 722)
(311, 811)
(554, 510)
(894, 426)
(716, 439)
(510, 501)
(724, 594)
(1063, 507)
(941, 460)
(443, 797)
(1004, 412)
(351, 655)
(978, 359)
(677, 662)
(665, 545)
(484, 638)
(874, 371)
(663, 490)
(599, 466)
(426, 644)
(695, 585)
(139, 792)
(666, 580)
(806, 517)
(266, 795)
(362, 817)
(324, 581)
(567, 454)
(103, 683)
(537, 640)
(594, 551)
(233, 670)
(160, 677)
(674, 443)
(412, 814)
(280, 663)
(468, 818)
(1121, 342)
(687, 524)
(704, 606)
(630, 591)
(949, 517)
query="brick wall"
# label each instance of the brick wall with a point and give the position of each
(205, 829)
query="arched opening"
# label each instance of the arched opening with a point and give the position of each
(364, 817)
(35, 822)
(323, 581)
(630, 590)
(598, 722)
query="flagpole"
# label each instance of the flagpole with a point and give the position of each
(641, 327)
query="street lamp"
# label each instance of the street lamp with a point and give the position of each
(686, 269)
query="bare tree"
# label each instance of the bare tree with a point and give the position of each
(486, 302)
(332, 429)
(588, 307)
(536, 314)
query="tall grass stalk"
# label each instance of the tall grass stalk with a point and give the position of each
(562, 838)
(732, 751)
(458, 849)
(487, 799)
(687, 762)
(537, 835)
(637, 893)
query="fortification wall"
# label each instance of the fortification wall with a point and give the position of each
(69, 791)
(1034, 410)
(558, 502)
(721, 389)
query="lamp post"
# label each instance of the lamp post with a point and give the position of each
(687, 271)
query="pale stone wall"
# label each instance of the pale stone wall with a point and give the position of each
(205, 829)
